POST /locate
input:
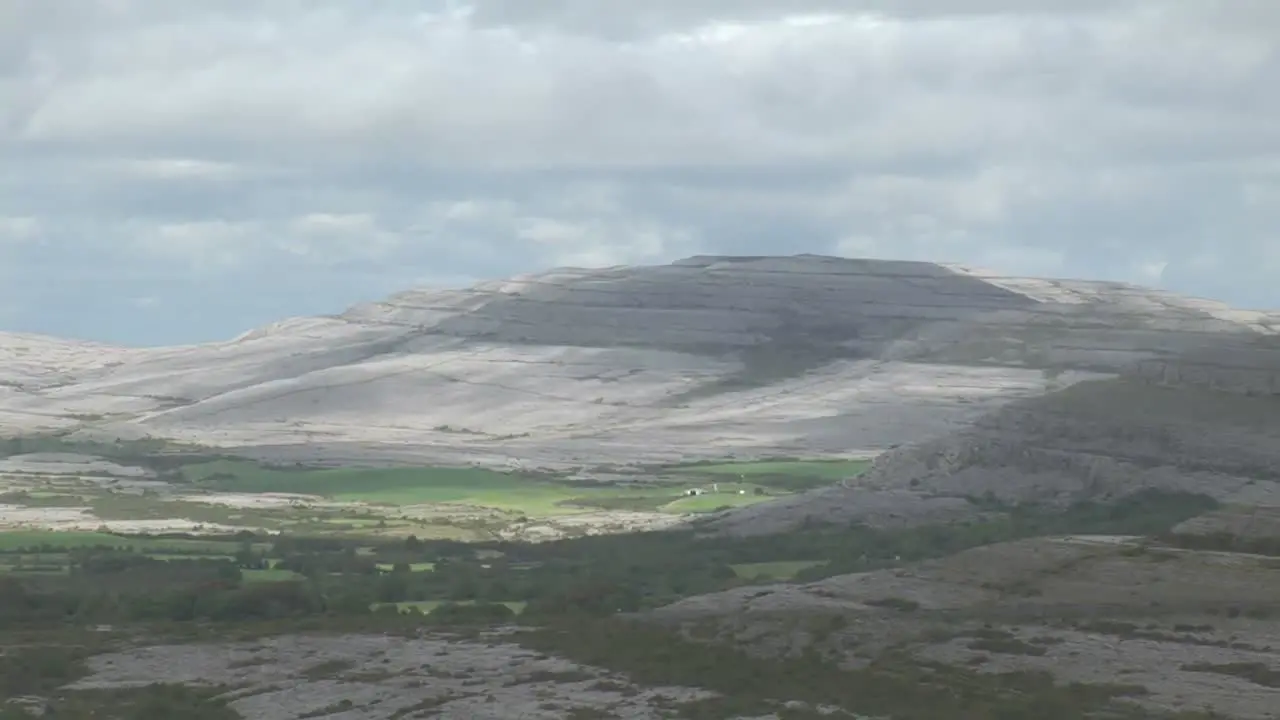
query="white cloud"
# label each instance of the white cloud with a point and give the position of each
(579, 244)
(168, 169)
(1117, 138)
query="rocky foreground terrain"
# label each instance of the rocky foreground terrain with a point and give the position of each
(1188, 630)
(374, 677)
(706, 357)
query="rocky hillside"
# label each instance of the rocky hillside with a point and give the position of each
(707, 357)
(1207, 423)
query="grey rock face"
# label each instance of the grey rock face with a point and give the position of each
(706, 357)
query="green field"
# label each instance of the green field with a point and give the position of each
(535, 496)
(445, 501)
(271, 575)
(14, 539)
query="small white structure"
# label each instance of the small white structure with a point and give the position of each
(695, 491)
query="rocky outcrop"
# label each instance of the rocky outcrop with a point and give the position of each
(707, 357)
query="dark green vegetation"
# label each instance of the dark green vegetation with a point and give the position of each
(782, 474)
(533, 494)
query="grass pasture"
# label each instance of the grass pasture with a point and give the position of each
(47, 552)
(11, 540)
(392, 486)
(270, 575)
(781, 570)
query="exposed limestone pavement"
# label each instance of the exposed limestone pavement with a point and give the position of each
(376, 677)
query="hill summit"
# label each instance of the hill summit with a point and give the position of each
(705, 357)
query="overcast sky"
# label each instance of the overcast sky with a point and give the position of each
(183, 170)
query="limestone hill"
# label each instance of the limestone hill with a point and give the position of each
(706, 357)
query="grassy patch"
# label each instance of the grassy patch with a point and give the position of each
(525, 494)
(781, 570)
(625, 503)
(161, 548)
(36, 670)
(392, 486)
(14, 539)
(328, 669)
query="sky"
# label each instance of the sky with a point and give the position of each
(177, 171)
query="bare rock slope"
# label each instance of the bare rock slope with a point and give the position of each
(705, 357)
(1205, 423)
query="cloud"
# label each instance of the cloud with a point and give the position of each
(354, 147)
